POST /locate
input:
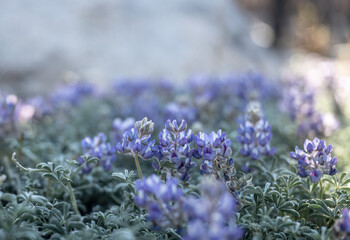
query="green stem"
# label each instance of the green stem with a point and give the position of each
(72, 198)
(138, 165)
(30, 170)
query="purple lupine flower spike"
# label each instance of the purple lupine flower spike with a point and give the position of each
(174, 147)
(254, 133)
(315, 160)
(215, 151)
(210, 217)
(137, 140)
(97, 147)
(164, 201)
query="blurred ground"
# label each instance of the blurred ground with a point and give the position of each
(41, 41)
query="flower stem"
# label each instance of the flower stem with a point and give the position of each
(138, 165)
(72, 198)
(30, 170)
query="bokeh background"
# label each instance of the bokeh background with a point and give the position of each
(44, 43)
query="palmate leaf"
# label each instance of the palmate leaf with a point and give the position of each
(49, 166)
(342, 177)
(127, 176)
(319, 208)
(8, 197)
(341, 184)
(291, 212)
(75, 225)
(322, 210)
(34, 198)
(251, 190)
(323, 234)
(87, 233)
(51, 175)
(122, 233)
(16, 222)
(53, 228)
(27, 232)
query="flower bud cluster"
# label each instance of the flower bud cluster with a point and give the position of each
(174, 147)
(315, 160)
(215, 151)
(137, 140)
(254, 133)
(97, 147)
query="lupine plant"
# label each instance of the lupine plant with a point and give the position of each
(207, 160)
(316, 160)
(175, 149)
(254, 133)
(137, 142)
(97, 147)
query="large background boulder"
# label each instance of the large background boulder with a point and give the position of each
(42, 41)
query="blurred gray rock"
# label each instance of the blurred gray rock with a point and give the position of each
(40, 41)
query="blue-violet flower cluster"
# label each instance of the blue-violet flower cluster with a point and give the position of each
(72, 93)
(254, 133)
(97, 147)
(137, 140)
(163, 201)
(211, 216)
(342, 225)
(174, 147)
(215, 151)
(315, 160)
